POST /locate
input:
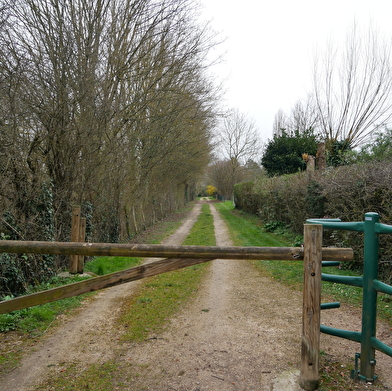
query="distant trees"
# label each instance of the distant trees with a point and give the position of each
(238, 142)
(351, 99)
(379, 147)
(303, 116)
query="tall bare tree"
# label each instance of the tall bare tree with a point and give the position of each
(303, 116)
(238, 142)
(280, 123)
(352, 87)
(105, 99)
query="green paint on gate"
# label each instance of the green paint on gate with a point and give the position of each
(372, 228)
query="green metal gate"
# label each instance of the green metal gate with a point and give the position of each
(372, 228)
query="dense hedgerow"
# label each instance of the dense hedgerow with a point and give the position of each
(346, 192)
(18, 271)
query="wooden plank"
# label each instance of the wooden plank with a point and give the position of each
(309, 377)
(161, 251)
(97, 283)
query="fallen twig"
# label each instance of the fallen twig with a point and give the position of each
(220, 378)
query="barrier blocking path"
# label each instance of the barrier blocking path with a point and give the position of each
(309, 369)
(182, 256)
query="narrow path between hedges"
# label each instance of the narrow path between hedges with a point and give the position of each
(90, 337)
(240, 331)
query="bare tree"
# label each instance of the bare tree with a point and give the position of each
(106, 99)
(352, 87)
(280, 123)
(238, 138)
(304, 116)
(238, 142)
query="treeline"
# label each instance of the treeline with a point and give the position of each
(345, 192)
(106, 104)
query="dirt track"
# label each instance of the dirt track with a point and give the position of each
(240, 332)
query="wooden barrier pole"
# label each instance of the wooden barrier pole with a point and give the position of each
(160, 251)
(73, 259)
(97, 283)
(309, 377)
(82, 238)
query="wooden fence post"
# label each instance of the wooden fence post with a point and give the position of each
(75, 228)
(82, 238)
(309, 378)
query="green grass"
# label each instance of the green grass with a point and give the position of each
(247, 230)
(97, 377)
(106, 265)
(162, 295)
(143, 315)
(36, 320)
(202, 233)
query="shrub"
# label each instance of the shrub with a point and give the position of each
(345, 192)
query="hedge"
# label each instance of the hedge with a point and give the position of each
(346, 192)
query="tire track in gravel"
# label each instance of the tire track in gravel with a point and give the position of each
(239, 332)
(87, 338)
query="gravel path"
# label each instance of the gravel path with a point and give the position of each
(241, 331)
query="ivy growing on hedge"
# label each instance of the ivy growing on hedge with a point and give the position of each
(18, 271)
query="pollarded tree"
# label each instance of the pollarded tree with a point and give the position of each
(353, 87)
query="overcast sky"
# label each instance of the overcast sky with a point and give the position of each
(270, 47)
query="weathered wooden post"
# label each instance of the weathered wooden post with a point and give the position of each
(82, 238)
(309, 377)
(311, 163)
(320, 157)
(75, 228)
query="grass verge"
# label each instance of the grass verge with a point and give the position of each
(35, 320)
(142, 316)
(247, 230)
(105, 265)
(21, 329)
(162, 295)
